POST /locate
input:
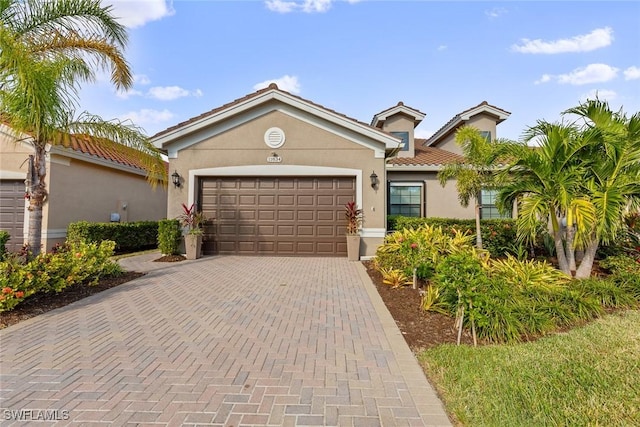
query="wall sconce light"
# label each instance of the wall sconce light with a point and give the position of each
(374, 180)
(175, 178)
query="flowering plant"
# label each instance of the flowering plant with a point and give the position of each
(191, 219)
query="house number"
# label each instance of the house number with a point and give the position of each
(274, 159)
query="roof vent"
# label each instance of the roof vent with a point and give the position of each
(274, 137)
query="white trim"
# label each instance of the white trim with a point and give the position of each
(370, 140)
(373, 232)
(13, 175)
(383, 116)
(483, 108)
(294, 106)
(275, 170)
(54, 233)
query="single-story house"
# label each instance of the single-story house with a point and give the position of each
(272, 172)
(85, 183)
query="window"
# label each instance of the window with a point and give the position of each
(488, 203)
(486, 135)
(405, 198)
(404, 136)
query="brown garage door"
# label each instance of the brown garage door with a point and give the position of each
(276, 215)
(12, 211)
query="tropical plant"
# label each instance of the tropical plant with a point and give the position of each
(47, 49)
(474, 173)
(394, 278)
(192, 219)
(353, 215)
(582, 179)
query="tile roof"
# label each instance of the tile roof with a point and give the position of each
(110, 151)
(255, 94)
(426, 156)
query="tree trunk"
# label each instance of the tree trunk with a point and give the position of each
(37, 198)
(584, 271)
(478, 228)
(570, 249)
(563, 264)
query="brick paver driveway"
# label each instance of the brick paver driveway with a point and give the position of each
(219, 341)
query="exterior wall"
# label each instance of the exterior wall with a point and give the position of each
(81, 191)
(401, 123)
(306, 145)
(441, 201)
(13, 156)
(482, 122)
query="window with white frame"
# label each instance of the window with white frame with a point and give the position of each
(488, 203)
(406, 198)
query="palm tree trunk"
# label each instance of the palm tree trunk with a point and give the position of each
(584, 271)
(478, 229)
(37, 198)
(571, 252)
(563, 264)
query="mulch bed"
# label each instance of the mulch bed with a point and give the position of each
(41, 303)
(420, 329)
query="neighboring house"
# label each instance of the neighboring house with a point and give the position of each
(85, 183)
(272, 172)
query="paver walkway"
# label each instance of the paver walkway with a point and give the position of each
(225, 341)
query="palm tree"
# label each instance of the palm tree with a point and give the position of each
(474, 173)
(581, 179)
(47, 48)
(546, 181)
(612, 180)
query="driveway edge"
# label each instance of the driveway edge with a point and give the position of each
(428, 403)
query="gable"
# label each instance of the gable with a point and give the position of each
(261, 104)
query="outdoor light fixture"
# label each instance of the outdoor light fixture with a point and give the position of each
(374, 180)
(175, 178)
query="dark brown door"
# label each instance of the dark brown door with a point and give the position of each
(301, 216)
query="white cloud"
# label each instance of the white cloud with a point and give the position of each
(307, 6)
(603, 95)
(148, 116)
(133, 14)
(496, 12)
(141, 79)
(600, 37)
(632, 73)
(442, 47)
(423, 133)
(169, 93)
(287, 83)
(592, 73)
(128, 93)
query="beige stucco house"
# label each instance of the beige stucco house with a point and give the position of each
(272, 172)
(84, 182)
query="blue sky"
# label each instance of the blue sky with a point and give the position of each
(531, 58)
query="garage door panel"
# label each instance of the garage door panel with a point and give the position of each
(301, 216)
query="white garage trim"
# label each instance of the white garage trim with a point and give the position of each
(13, 175)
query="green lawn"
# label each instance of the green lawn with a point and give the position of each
(586, 377)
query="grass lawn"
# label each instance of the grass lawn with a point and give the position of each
(588, 376)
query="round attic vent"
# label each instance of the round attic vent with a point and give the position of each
(274, 137)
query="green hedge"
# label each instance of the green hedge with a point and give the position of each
(498, 235)
(128, 236)
(169, 235)
(4, 238)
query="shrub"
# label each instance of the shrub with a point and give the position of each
(422, 249)
(394, 278)
(498, 235)
(53, 272)
(169, 234)
(4, 238)
(128, 236)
